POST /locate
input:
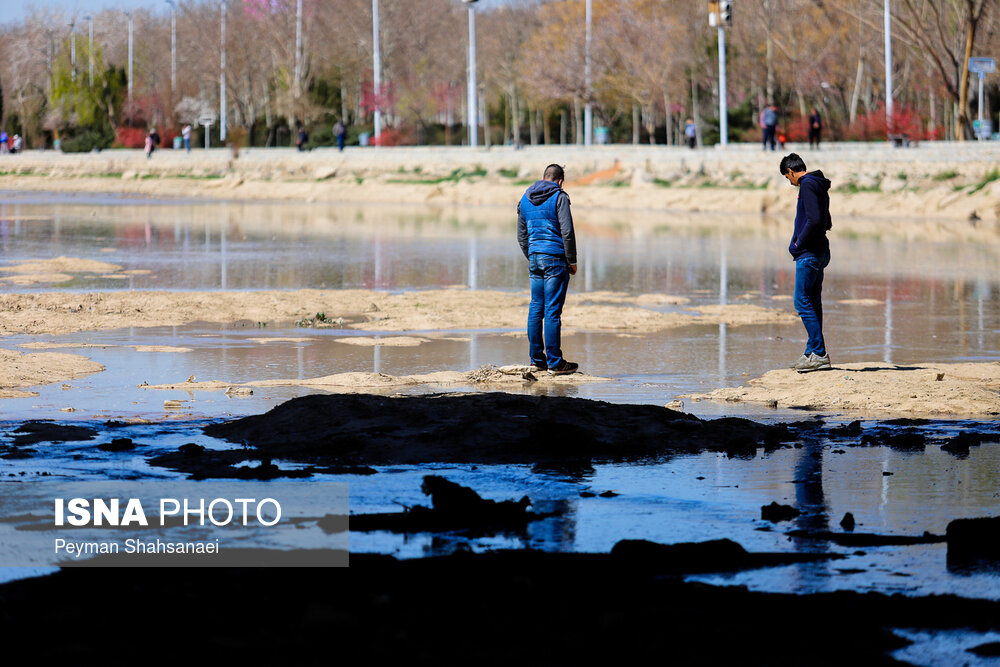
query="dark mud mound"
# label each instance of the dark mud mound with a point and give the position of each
(504, 608)
(484, 428)
(453, 508)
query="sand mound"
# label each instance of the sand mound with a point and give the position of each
(27, 370)
(493, 376)
(442, 309)
(878, 389)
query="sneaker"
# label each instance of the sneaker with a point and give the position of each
(815, 363)
(564, 368)
(536, 367)
(801, 360)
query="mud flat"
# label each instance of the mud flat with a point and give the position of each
(18, 370)
(878, 389)
(486, 377)
(441, 309)
(477, 609)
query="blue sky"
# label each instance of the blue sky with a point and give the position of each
(15, 10)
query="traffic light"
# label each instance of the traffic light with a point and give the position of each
(726, 12)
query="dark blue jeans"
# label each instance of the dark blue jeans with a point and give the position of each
(809, 300)
(549, 282)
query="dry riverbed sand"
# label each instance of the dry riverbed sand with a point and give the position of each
(878, 390)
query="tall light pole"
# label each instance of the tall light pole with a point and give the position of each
(377, 74)
(888, 69)
(473, 107)
(129, 15)
(297, 83)
(173, 47)
(720, 15)
(90, 47)
(72, 49)
(222, 72)
(588, 109)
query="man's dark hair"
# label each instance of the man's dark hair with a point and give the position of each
(791, 163)
(554, 172)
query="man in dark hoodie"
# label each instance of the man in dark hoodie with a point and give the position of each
(811, 251)
(545, 234)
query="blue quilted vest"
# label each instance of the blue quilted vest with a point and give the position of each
(544, 236)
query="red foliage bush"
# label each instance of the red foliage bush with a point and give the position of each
(129, 137)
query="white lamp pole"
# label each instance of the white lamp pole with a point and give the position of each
(222, 72)
(173, 47)
(297, 83)
(90, 47)
(376, 72)
(473, 106)
(129, 15)
(72, 48)
(888, 68)
(588, 110)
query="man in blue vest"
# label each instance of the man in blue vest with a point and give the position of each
(545, 234)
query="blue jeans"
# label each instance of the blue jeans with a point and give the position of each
(549, 282)
(809, 300)
(187, 144)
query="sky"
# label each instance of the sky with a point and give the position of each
(15, 10)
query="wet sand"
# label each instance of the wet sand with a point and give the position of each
(64, 312)
(878, 389)
(18, 370)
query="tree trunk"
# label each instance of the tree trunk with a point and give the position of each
(532, 126)
(636, 133)
(343, 104)
(670, 118)
(562, 126)
(516, 120)
(577, 121)
(858, 81)
(546, 130)
(770, 53)
(696, 114)
(963, 127)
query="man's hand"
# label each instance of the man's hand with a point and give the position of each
(572, 269)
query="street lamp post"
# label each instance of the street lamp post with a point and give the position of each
(129, 15)
(173, 47)
(888, 69)
(473, 107)
(588, 109)
(72, 49)
(90, 47)
(376, 73)
(222, 72)
(298, 52)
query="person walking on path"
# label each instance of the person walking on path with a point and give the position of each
(810, 249)
(148, 145)
(545, 234)
(303, 138)
(691, 133)
(186, 135)
(815, 128)
(340, 132)
(769, 122)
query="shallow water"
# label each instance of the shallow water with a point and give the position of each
(926, 301)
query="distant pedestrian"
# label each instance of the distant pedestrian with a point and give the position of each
(186, 134)
(148, 145)
(782, 139)
(3, 142)
(303, 138)
(340, 132)
(545, 234)
(815, 128)
(769, 122)
(810, 248)
(690, 133)
(16, 144)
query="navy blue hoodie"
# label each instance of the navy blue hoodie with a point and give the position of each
(812, 217)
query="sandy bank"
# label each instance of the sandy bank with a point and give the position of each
(485, 377)
(878, 389)
(58, 312)
(935, 180)
(27, 370)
